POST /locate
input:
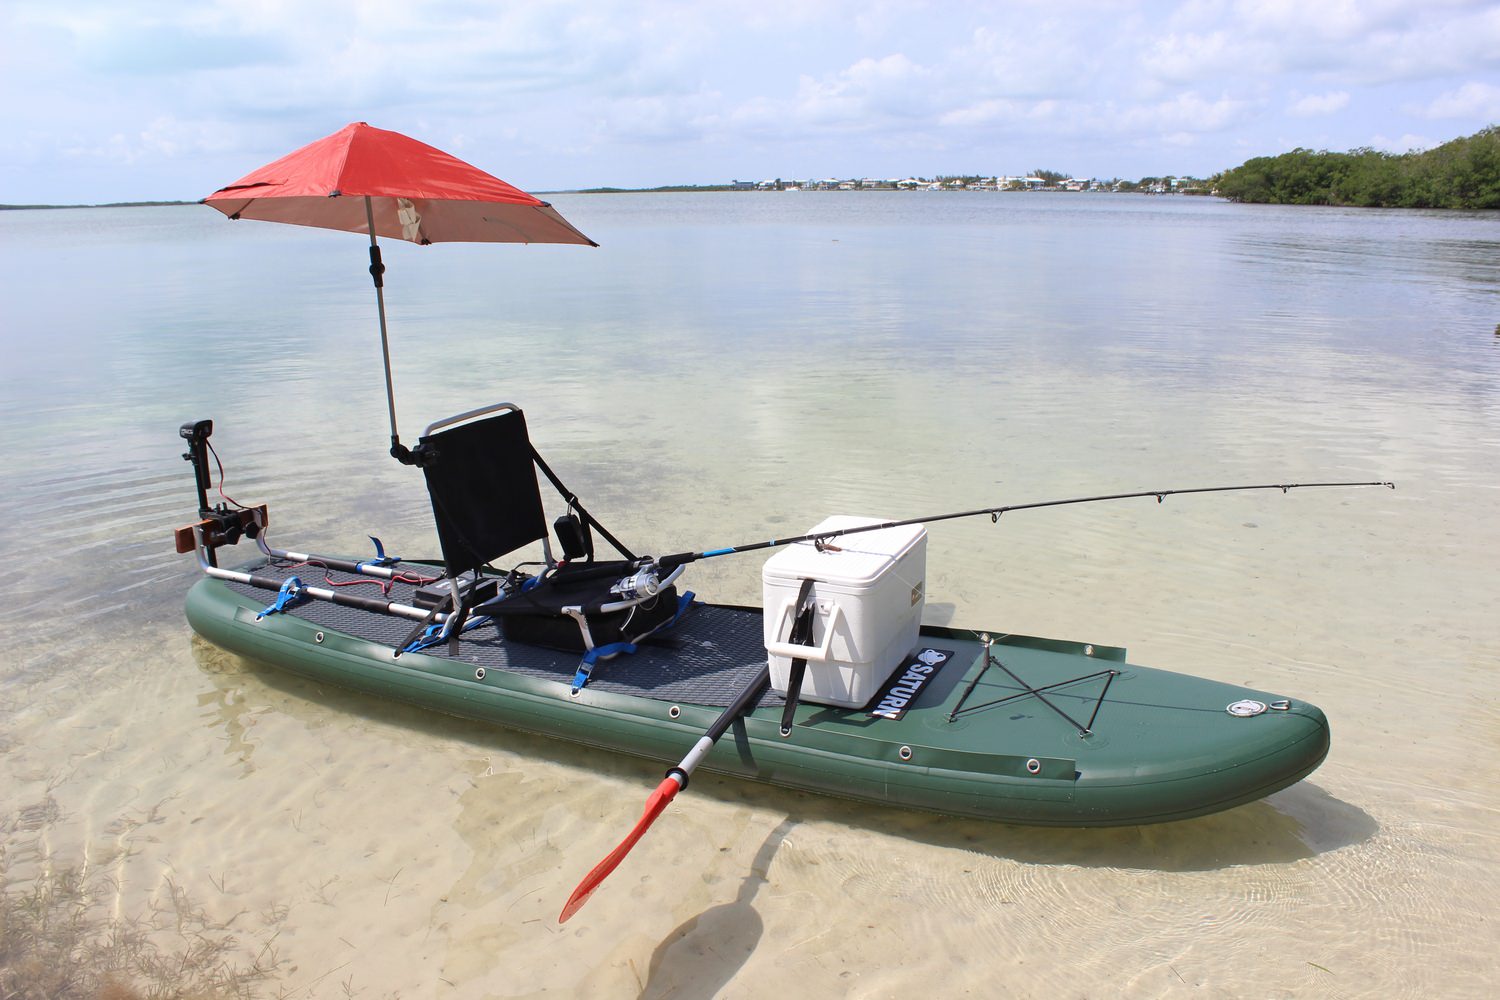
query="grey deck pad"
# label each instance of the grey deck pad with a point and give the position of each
(707, 658)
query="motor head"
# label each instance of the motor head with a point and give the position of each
(196, 431)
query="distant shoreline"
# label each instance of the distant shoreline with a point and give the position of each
(1462, 174)
(112, 204)
(669, 189)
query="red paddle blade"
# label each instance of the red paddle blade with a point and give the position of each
(654, 806)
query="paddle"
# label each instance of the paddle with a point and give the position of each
(675, 781)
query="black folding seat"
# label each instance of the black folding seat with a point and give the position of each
(481, 476)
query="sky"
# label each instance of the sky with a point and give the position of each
(123, 100)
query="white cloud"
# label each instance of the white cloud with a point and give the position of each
(1033, 57)
(642, 91)
(1311, 105)
(1187, 112)
(1347, 41)
(871, 88)
(1406, 144)
(1180, 139)
(987, 112)
(1328, 20)
(1189, 57)
(1472, 100)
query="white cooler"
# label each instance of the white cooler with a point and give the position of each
(870, 596)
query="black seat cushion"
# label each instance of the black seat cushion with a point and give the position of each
(535, 616)
(484, 491)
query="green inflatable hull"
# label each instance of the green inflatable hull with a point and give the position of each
(985, 736)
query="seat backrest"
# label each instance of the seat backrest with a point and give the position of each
(482, 481)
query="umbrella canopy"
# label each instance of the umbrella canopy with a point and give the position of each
(416, 193)
(368, 180)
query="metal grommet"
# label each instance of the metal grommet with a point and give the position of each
(674, 712)
(905, 753)
(1088, 650)
(1245, 708)
(317, 637)
(1033, 766)
(479, 673)
(573, 692)
(786, 731)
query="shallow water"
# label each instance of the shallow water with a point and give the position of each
(726, 368)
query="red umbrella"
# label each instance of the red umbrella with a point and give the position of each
(368, 180)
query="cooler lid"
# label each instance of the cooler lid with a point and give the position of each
(858, 559)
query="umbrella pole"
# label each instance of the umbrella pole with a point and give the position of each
(377, 272)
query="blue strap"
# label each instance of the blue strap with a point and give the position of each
(433, 634)
(593, 656)
(586, 668)
(289, 596)
(606, 651)
(381, 559)
(684, 602)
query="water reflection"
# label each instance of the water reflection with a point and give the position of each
(226, 706)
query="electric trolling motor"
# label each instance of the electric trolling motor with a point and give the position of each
(220, 524)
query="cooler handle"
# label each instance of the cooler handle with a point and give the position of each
(792, 651)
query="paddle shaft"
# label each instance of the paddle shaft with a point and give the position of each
(667, 562)
(743, 702)
(674, 782)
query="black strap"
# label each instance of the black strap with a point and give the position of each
(572, 501)
(456, 624)
(802, 627)
(421, 626)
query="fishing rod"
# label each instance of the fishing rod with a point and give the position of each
(821, 537)
(749, 697)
